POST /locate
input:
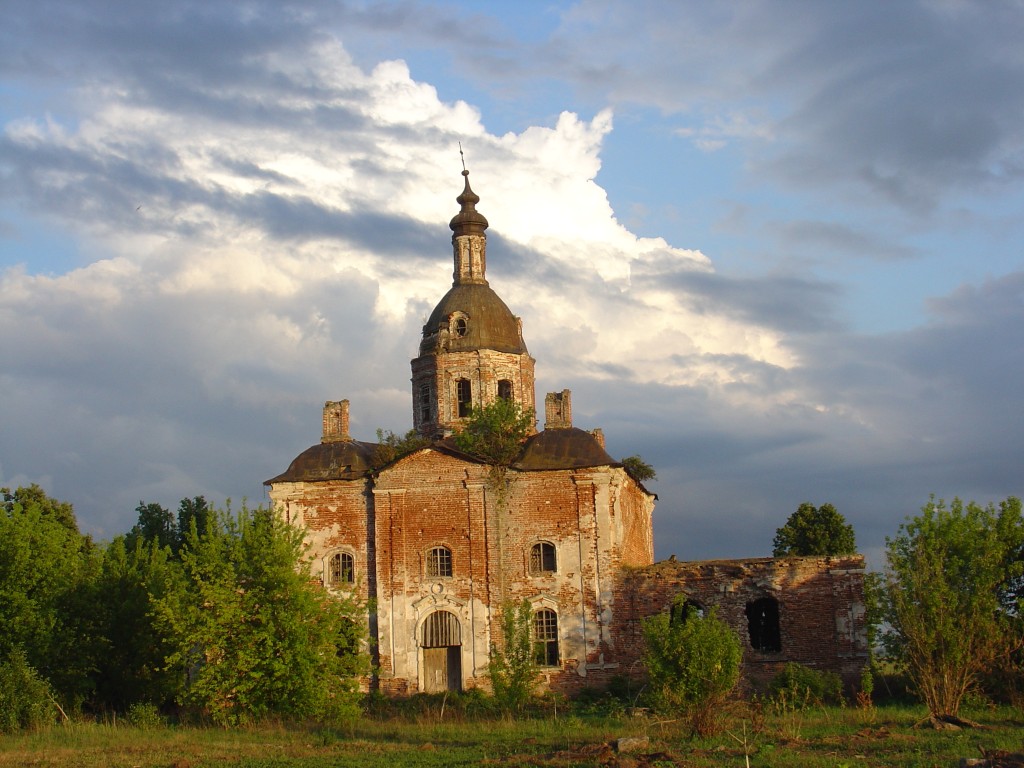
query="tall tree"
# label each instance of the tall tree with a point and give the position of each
(43, 561)
(254, 634)
(155, 524)
(131, 667)
(34, 496)
(814, 531)
(196, 511)
(945, 571)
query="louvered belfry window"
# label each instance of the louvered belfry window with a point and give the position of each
(463, 397)
(441, 629)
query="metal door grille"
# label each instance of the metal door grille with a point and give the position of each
(441, 629)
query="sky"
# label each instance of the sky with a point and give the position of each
(774, 248)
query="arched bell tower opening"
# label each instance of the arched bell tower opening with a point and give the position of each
(472, 350)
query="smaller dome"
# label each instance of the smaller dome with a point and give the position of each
(343, 460)
(570, 448)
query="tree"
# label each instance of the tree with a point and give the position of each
(34, 496)
(43, 561)
(131, 581)
(155, 523)
(814, 531)
(639, 469)
(253, 633)
(692, 664)
(945, 570)
(495, 432)
(512, 667)
(391, 446)
(193, 511)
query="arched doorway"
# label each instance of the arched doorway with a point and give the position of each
(441, 643)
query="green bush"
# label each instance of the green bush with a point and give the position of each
(512, 668)
(799, 687)
(692, 666)
(143, 714)
(25, 698)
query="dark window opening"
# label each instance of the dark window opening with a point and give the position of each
(505, 389)
(425, 409)
(681, 609)
(460, 327)
(763, 624)
(439, 562)
(542, 558)
(545, 638)
(340, 569)
(464, 397)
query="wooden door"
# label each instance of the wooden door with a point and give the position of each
(435, 670)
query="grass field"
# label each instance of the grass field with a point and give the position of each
(822, 736)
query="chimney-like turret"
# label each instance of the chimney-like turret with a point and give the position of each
(558, 410)
(335, 422)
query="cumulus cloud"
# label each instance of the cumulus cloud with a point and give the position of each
(260, 225)
(272, 237)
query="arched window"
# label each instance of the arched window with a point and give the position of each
(439, 562)
(464, 397)
(505, 389)
(340, 569)
(683, 608)
(460, 326)
(763, 625)
(542, 558)
(545, 638)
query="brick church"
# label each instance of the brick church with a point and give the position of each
(438, 543)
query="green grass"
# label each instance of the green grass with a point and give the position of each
(822, 736)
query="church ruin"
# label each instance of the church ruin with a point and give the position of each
(438, 547)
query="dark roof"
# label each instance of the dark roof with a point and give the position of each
(552, 449)
(343, 460)
(563, 449)
(490, 323)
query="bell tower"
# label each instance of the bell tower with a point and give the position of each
(472, 349)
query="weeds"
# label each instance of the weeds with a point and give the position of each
(756, 731)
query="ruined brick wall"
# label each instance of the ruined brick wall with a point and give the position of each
(633, 513)
(599, 522)
(337, 516)
(820, 608)
(490, 524)
(483, 369)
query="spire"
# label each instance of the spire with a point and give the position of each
(469, 241)
(468, 221)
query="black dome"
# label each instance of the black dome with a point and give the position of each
(343, 460)
(489, 324)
